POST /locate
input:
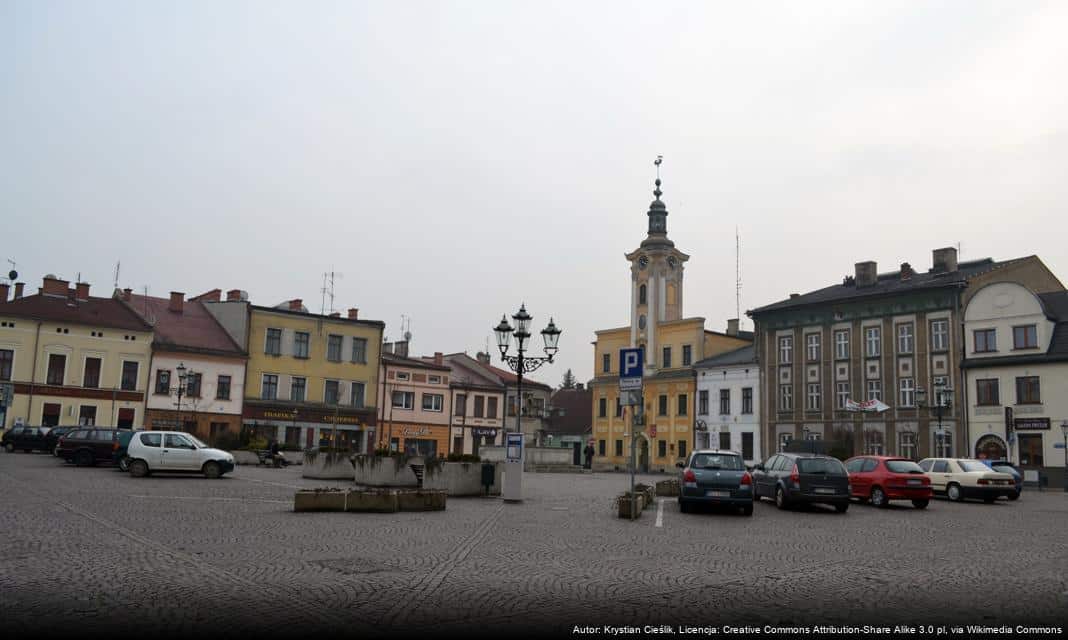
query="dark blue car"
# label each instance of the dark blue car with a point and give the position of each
(1004, 466)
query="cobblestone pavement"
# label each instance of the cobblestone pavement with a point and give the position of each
(94, 550)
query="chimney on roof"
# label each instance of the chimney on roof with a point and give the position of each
(944, 260)
(732, 327)
(400, 348)
(233, 295)
(439, 358)
(387, 347)
(483, 357)
(578, 386)
(795, 295)
(126, 294)
(18, 289)
(177, 302)
(215, 295)
(4, 288)
(81, 291)
(335, 314)
(906, 271)
(296, 304)
(867, 275)
(53, 286)
(354, 313)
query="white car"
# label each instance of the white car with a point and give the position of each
(961, 478)
(175, 451)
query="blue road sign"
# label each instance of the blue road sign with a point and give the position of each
(630, 369)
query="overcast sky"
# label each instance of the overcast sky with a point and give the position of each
(454, 159)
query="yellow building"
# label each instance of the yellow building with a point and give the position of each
(307, 373)
(671, 343)
(69, 358)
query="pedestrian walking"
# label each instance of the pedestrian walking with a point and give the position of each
(589, 455)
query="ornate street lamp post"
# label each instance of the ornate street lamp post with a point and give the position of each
(183, 375)
(941, 403)
(1064, 432)
(522, 363)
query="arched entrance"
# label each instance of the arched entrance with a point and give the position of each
(991, 447)
(643, 455)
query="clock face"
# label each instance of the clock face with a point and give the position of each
(643, 262)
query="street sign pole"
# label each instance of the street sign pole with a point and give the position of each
(630, 382)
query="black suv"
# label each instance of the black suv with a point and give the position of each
(87, 446)
(27, 438)
(792, 478)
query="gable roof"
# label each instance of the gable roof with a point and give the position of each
(193, 329)
(94, 312)
(745, 355)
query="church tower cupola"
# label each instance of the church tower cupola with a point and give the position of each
(658, 215)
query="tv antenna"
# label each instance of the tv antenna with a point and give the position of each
(117, 265)
(406, 327)
(328, 289)
(12, 275)
(737, 276)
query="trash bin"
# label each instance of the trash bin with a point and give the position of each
(487, 476)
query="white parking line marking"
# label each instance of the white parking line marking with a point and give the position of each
(660, 512)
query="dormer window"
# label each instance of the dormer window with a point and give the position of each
(1025, 337)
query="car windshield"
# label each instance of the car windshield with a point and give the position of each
(1004, 469)
(196, 441)
(903, 466)
(828, 466)
(716, 461)
(972, 465)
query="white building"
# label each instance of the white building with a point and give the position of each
(728, 406)
(1016, 376)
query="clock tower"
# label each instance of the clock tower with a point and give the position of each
(656, 270)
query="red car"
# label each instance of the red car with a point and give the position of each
(881, 479)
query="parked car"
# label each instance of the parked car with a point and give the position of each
(716, 478)
(880, 479)
(792, 478)
(54, 434)
(87, 446)
(119, 447)
(26, 438)
(963, 478)
(1004, 466)
(175, 451)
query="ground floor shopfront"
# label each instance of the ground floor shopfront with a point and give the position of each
(414, 439)
(302, 426)
(469, 440)
(1033, 443)
(914, 439)
(54, 405)
(206, 426)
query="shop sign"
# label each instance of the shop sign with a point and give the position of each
(415, 432)
(482, 431)
(1032, 424)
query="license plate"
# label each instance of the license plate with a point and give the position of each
(718, 494)
(915, 482)
(824, 490)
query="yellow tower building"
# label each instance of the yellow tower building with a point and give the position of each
(671, 342)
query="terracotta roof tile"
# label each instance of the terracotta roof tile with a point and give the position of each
(193, 328)
(96, 312)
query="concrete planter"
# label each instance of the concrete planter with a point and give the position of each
(648, 492)
(372, 501)
(461, 478)
(319, 500)
(668, 488)
(535, 458)
(454, 478)
(384, 471)
(422, 500)
(326, 466)
(623, 503)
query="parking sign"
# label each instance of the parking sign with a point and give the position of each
(630, 369)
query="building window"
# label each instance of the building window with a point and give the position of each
(784, 441)
(667, 358)
(684, 404)
(747, 400)
(986, 340)
(491, 407)
(841, 394)
(359, 350)
(986, 392)
(1031, 450)
(7, 358)
(872, 339)
(661, 449)
(724, 440)
(129, 376)
(406, 400)
(813, 396)
(786, 349)
(619, 407)
(332, 393)
(702, 402)
(602, 408)
(873, 442)
(812, 345)
(192, 385)
(906, 444)
(724, 402)
(333, 348)
(298, 389)
(875, 389)
(460, 407)
(433, 379)
(904, 338)
(619, 448)
(301, 341)
(163, 382)
(1027, 391)
(642, 295)
(273, 346)
(403, 376)
(687, 355)
(87, 417)
(747, 445)
(601, 447)
(606, 363)
(480, 406)
(841, 345)
(357, 393)
(433, 402)
(786, 397)
(91, 378)
(222, 388)
(269, 390)
(682, 449)
(662, 408)
(941, 395)
(908, 392)
(1025, 337)
(939, 335)
(944, 445)
(57, 366)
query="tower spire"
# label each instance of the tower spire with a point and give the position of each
(657, 192)
(658, 213)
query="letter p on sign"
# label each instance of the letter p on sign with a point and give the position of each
(630, 369)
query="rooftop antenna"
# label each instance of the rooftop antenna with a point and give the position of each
(13, 274)
(406, 326)
(118, 263)
(328, 289)
(738, 276)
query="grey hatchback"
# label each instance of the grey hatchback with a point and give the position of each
(792, 478)
(714, 477)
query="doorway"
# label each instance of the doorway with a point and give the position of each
(576, 457)
(643, 456)
(991, 447)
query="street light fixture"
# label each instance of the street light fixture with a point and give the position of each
(941, 403)
(522, 363)
(183, 375)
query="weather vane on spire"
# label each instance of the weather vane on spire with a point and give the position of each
(657, 192)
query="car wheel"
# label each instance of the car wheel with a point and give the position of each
(212, 470)
(953, 492)
(1014, 496)
(780, 498)
(920, 504)
(138, 468)
(747, 510)
(83, 459)
(124, 463)
(878, 498)
(841, 507)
